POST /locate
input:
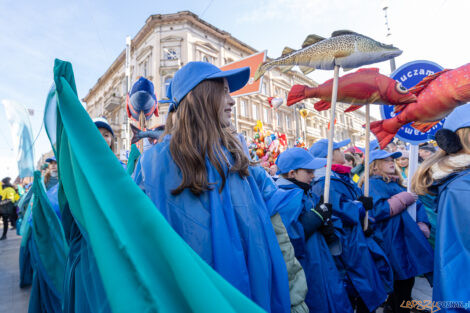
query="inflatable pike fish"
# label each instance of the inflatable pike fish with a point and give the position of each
(142, 99)
(344, 48)
(362, 87)
(437, 94)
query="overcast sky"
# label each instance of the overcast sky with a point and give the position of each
(91, 34)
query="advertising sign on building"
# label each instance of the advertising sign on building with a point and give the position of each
(253, 61)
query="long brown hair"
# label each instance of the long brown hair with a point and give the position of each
(374, 169)
(422, 180)
(198, 132)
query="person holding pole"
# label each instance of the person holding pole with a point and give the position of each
(367, 282)
(447, 175)
(307, 223)
(403, 240)
(367, 285)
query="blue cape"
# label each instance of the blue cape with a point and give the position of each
(230, 230)
(408, 251)
(452, 255)
(326, 291)
(359, 265)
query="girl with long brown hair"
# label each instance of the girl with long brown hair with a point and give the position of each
(202, 181)
(402, 238)
(446, 174)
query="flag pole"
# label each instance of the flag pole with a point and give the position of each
(331, 133)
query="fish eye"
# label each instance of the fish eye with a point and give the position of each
(399, 87)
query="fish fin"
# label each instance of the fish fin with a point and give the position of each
(306, 69)
(135, 132)
(322, 105)
(285, 69)
(383, 136)
(399, 108)
(463, 93)
(342, 32)
(353, 108)
(287, 51)
(425, 82)
(372, 69)
(311, 39)
(296, 94)
(127, 108)
(342, 54)
(423, 126)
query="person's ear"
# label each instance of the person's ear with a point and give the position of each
(290, 174)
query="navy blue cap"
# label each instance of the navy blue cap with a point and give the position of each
(52, 159)
(382, 154)
(102, 122)
(296, 158)
(190, 75)
(320, 148)
(459, 118)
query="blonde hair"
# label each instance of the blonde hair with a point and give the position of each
(422, 180)
(374, 169)
(399, 168)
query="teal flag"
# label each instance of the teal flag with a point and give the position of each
(132, 160)
(48, 235)
(145, 266)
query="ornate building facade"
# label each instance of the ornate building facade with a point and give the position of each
(167, 42)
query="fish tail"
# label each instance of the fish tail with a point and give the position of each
(135, 134)
(322, 105)
(385, 130)
(296, 94)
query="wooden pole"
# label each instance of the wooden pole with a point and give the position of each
(331, 136)
(142, 128)
(366, 163)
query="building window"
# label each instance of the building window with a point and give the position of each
(124, 86)
(265, 115)
(254, 109)
(166, 83)
(288, 122)
(242, 107)
(205, 59)
(171, 54)
(264, 89)
(279, 120)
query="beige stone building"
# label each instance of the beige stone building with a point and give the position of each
(167, 42)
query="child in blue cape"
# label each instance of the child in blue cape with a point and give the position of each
(306, 220)
(403, 240)
(364, 267)
(83, 288)
(447, 175)
(203, 183)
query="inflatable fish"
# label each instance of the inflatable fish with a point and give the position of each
(152, 134)
(362, 87)
(142, 99)
(344, 48)
(437, 94)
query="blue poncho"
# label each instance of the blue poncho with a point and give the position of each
(230, 230)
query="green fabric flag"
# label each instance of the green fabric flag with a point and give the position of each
(132, 160)
(145, 266)
(48, 235)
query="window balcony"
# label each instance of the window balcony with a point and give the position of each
(111, 103)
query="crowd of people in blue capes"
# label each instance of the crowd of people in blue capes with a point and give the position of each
(273, 237)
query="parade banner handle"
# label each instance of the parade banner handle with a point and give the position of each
(366, 163)
(331, 134)
(413, 166)
(142, 128)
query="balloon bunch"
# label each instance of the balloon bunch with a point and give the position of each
(266, 145)
(299, 143)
